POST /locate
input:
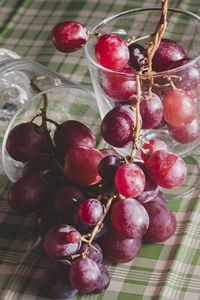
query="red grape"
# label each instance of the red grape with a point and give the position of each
(129, 180)
(166, 169)
(69, 36)
(162, 222)
(81, 165)
(152, 146)
(25, 141)
(90, 211)
(28, 194)
(120, 87)
(179, 108)
(186, 134)
(151, 110)
(73, 236)
(73, 134)
(167, 52)
(56, 244)
(118, 249)
(129, 218)
(84, 275)
(112, 52)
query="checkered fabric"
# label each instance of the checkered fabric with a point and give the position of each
(169, 270)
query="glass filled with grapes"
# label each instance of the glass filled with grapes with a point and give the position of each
(153, 55)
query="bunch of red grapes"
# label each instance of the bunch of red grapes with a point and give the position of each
(93, 203)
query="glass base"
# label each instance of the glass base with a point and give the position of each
(191, 183)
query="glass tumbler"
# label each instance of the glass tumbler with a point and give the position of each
(33, 82)
(184, 28)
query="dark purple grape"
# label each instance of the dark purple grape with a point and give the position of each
(46, 219)
(90, 211)
(151, 110)
(167, 52)
(162, 222)
(84, 275)
(103, 281)
(28, 194)
(69, 36)
(57, 282)
(56, 244)
(186, 134)
(108, 167)
(66, 201)
(137, 55)
(73, 134)
(117, 127)
(41, 165)
(93, 255)
(25, 141)
(118, 249)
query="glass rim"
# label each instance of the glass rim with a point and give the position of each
(135, 10)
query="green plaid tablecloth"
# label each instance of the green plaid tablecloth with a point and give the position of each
(169, 270)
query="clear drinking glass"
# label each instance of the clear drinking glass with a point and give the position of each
(66, 100)
(183, 28)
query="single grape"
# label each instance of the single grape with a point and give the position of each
(166, 169)
(120, 87)
(179, 108)
(41, 165)
(129, 218)
(103, 281)
(28, 194)
(152, 146)
(137, 55)
(46, 219)
(167, 52)
(117, 127)
(81, 165)
(92, 253)
(129, 180)
(108, 166)
(112, 52)
(73, 236)
(151, 110)
(56, 244)
(73, 134)
(120, 250)
(25, 141)
(186, 134)
(57, 282)
(69, 36)
(162, 222)
(189, 76)
(66, 201)
(84, 275)
(90, 211)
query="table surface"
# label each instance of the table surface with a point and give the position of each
(169, 270)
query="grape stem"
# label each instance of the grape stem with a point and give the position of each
(97, 227)
(137, 127)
